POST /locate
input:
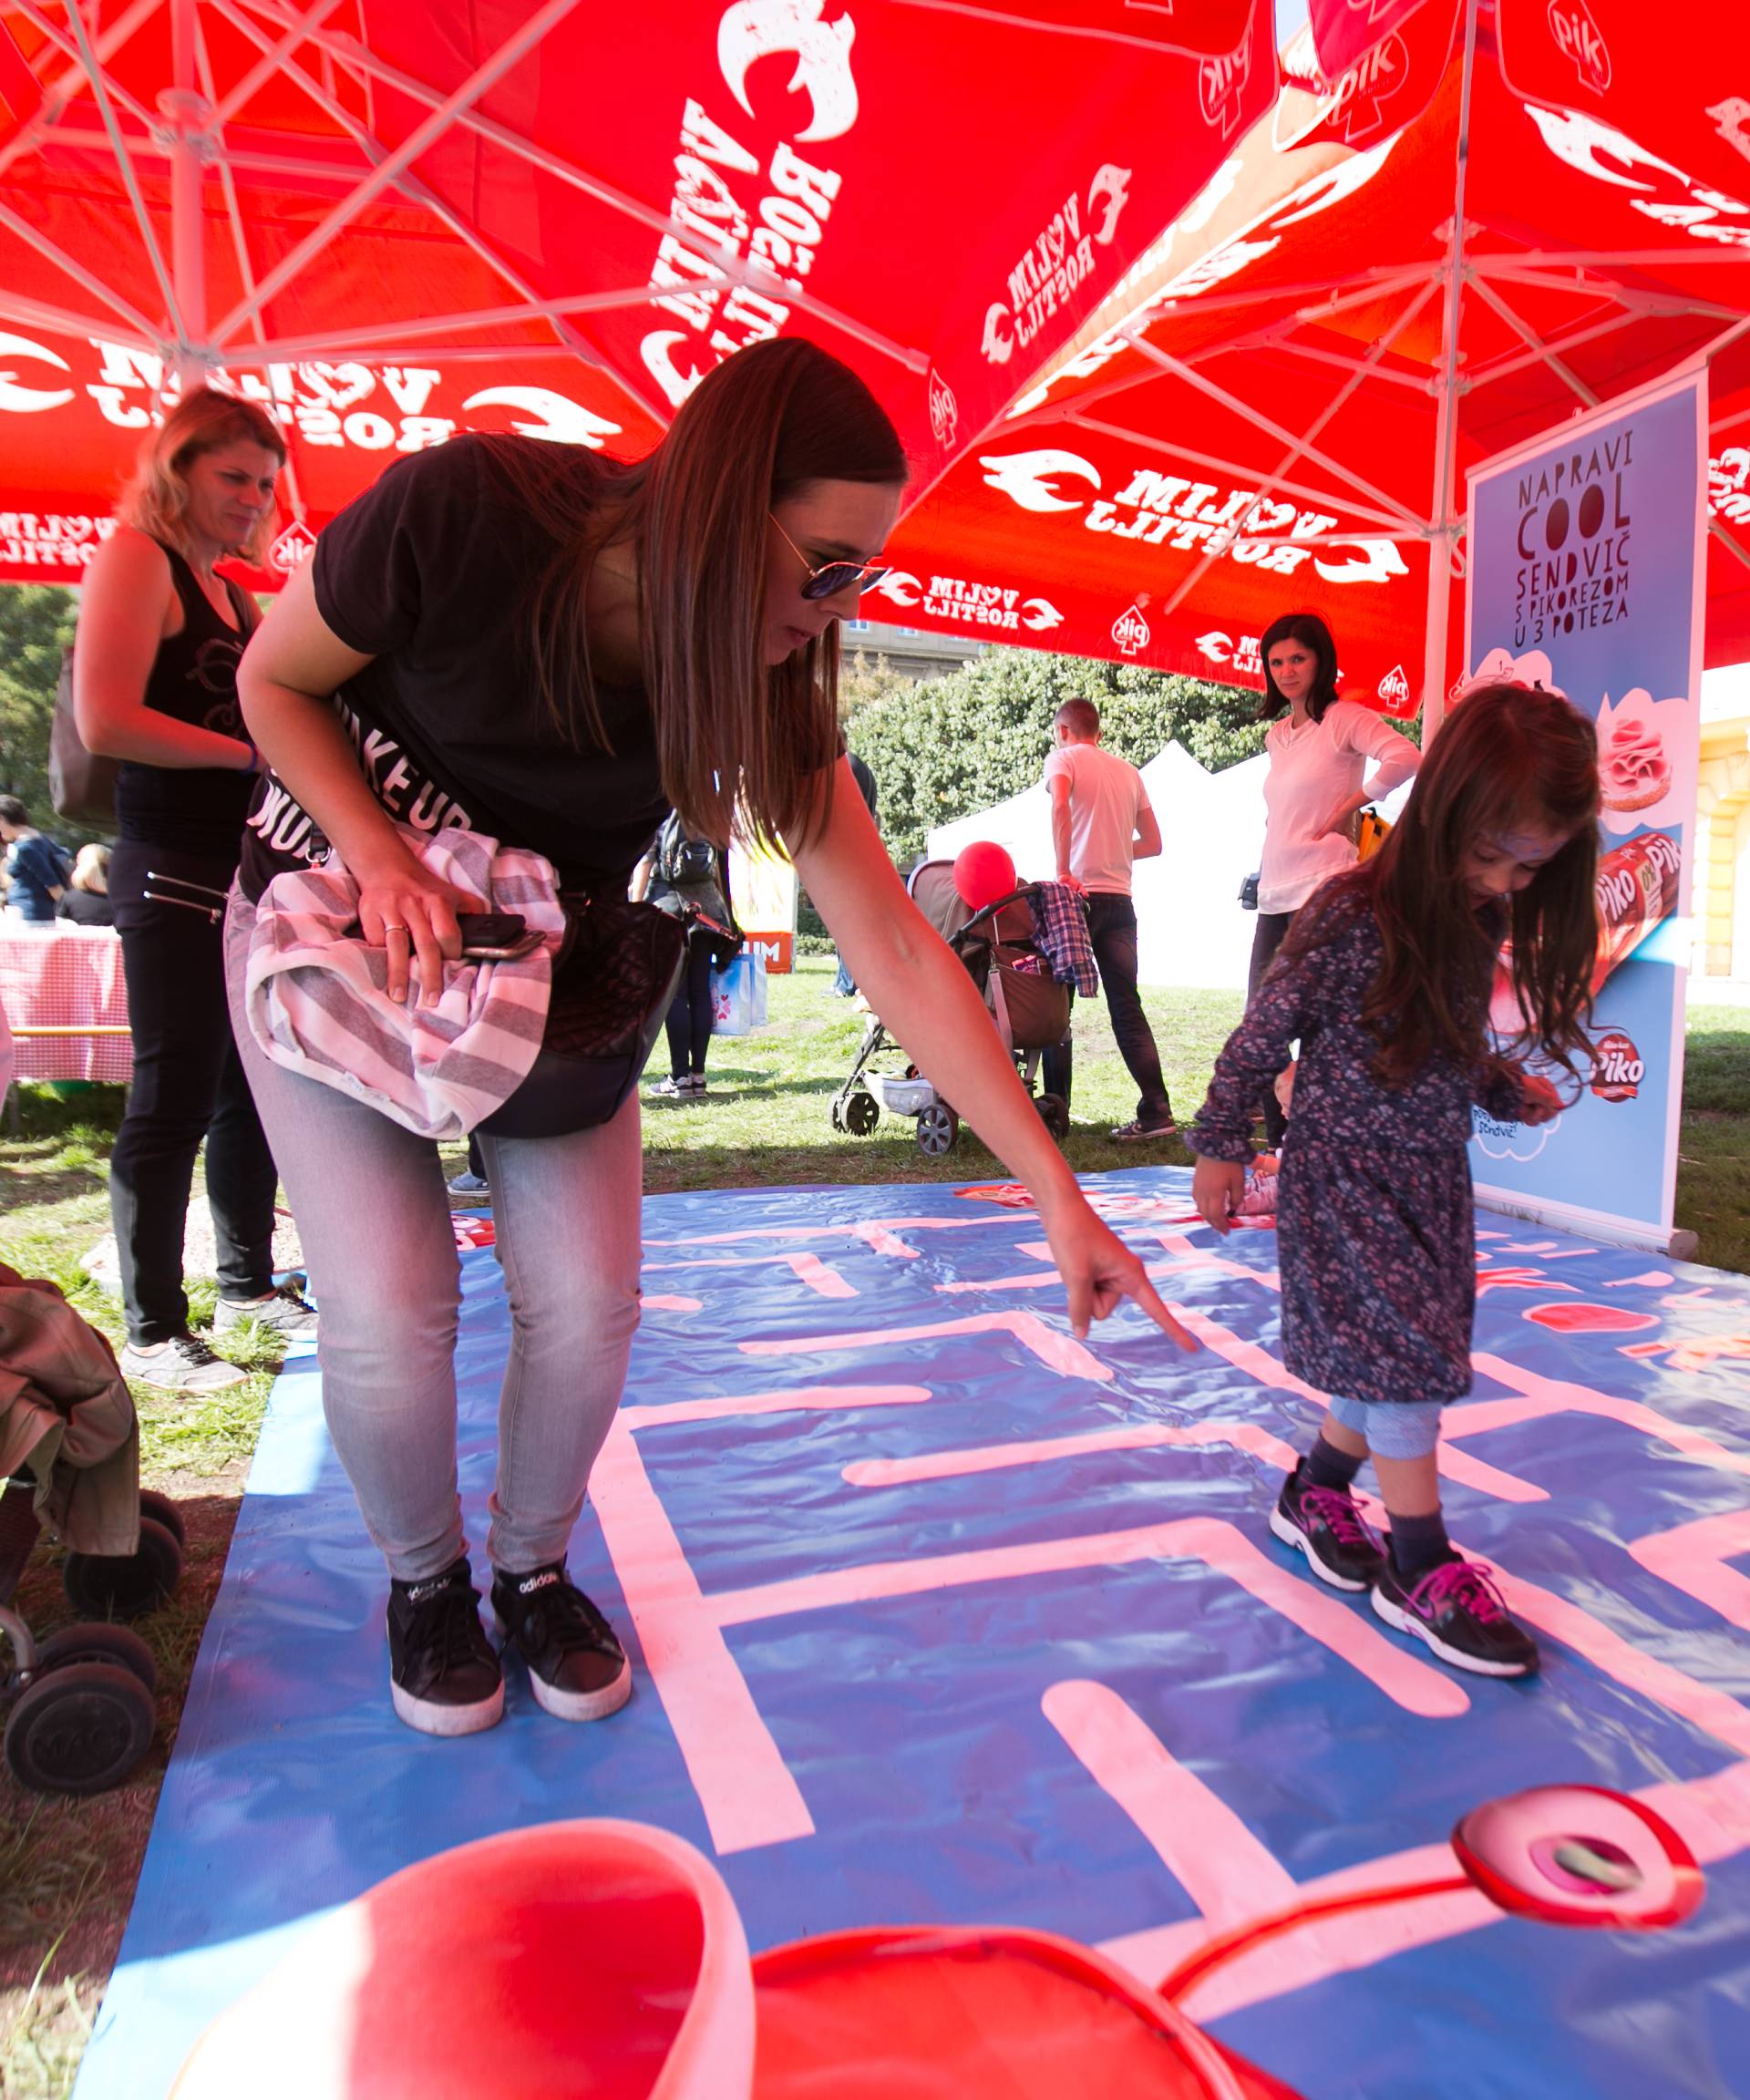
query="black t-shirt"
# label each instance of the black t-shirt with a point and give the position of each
(429, 572)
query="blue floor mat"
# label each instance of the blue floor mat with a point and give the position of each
(941, 1615)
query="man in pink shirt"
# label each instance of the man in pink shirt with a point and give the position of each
(1101, 821)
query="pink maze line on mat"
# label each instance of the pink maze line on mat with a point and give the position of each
(1234, 1878)
(751, 1798)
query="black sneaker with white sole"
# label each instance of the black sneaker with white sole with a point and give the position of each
(1325, 1524)
(1458, 1611)
(577, 1668)
(444, 1677)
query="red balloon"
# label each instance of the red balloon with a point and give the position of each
(984, 871)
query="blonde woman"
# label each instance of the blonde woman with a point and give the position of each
(155, 685)
(86, 900)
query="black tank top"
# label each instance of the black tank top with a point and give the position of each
(197, 810)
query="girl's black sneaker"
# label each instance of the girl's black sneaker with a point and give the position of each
(1325, 1524)
(444, 1678)
(1458, 1611)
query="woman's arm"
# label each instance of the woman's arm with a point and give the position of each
(125, 599)
(640, 882)
(925, 998)
(286, 682)
(1369, 736)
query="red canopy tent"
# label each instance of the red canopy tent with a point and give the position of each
(394, 219)
(1439, 242)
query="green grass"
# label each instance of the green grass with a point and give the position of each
(68, 1868)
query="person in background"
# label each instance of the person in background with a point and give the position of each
(155, 685)
(37, 869)
(844, 985)
(685, 875)
(1101, 821)
(87, 900)
(1314, 786)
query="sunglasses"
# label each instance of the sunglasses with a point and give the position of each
(832, 577)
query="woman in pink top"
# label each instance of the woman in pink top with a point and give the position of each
(1318, 755)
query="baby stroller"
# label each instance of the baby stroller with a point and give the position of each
(78, 1706)
(1028, 1006)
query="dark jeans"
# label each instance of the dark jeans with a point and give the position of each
(188, 1084)
(1112, 928)
(689, 1013)
(1267, 938)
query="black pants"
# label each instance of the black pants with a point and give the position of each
(1112, 928)
(689, 1013)
(1267, 938)
(188, 1084)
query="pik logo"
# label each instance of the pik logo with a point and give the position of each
(1618, 1067)
(1030, 478)
(755, 30)
(1221, 89)
(944, 410)
(1395, 690)
(292, 550)
(1577, 36)
(1350, 111)
(1130, 631)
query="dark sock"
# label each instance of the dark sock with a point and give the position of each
(1325, 1466)
(1418, 1543)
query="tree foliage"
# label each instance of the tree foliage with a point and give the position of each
(36, 626)
(949, 745)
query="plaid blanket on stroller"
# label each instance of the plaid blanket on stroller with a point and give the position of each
(1060, 930)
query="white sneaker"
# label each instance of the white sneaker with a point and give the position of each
(182, 1364)
(287, 1312)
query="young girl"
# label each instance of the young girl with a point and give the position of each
(1385, 979)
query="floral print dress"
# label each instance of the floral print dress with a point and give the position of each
(1374, 1200)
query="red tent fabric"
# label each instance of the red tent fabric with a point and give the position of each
(394, 219)
(1279, 410)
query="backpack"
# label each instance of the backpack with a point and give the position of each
(81, 784)
(683, 859)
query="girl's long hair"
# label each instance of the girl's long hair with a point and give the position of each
(733, 734)
(1308, 628)
(1510, 759)
(156, 500)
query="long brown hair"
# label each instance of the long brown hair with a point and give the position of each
(1510, 759)
(733, 734)
(157, 497)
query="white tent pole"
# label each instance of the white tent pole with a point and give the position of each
(1445, 536)
(186, 114)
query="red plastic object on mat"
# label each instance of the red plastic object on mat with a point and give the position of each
(591, 1957)
(915, 2012)
(984, 871)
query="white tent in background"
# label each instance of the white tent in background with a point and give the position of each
(1191, 928)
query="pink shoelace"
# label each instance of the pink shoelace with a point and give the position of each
(1333, 1506)
(1460, 1582)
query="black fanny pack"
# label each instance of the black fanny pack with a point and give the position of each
(613, 976)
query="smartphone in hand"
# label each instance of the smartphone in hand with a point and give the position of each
(495, 936)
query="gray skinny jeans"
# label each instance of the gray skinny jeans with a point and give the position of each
(372, 1215)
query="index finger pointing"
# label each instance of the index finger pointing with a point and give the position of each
(1154, 1306)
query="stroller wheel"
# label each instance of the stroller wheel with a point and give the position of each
(1053, 1113)
(79, 1730)
(861, 1114)
(938, 1127)
(99, 1644)
(838, 1113)
(127, 1586)
(162, 1510)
